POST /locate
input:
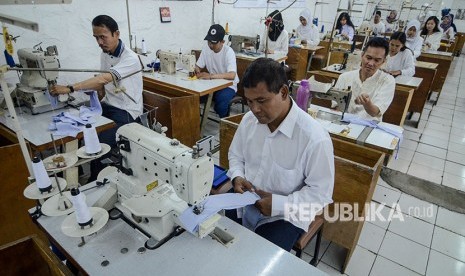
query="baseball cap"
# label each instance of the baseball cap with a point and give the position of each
(215, 33)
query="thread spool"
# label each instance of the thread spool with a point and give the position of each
(91, 141)
(43, 182)
(83, 216)
(143, 47)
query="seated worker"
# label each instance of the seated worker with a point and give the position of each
(277, 37)
(377, 26)
(345, 27)
(121, 61)
(220, 61)
(414, 40)
(391, 22)
(282, 154)
(400, 60)
(306, 31)
(372, 89)
(432, 34)
(447, 29)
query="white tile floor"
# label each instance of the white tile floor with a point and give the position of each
(431, 239)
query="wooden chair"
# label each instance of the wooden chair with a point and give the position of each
(319, 58)
(314, 230)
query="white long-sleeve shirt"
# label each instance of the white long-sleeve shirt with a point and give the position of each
(280, 46)
(295, 163)
(309, 34)
(402, 61)
(435, 40)
(379, 87)
(415, 44)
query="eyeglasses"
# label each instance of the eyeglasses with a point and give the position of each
(213, 42)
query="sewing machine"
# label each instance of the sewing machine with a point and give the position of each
(239, 42)
(341, 97)
(33, 84)
(157, 179)
(168, 61)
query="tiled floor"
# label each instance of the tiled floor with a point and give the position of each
(430, 240)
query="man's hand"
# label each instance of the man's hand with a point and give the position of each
(59, 89)
(265, 203)
(363, 99)
(203, 75)
(242, 185)
(368, 105)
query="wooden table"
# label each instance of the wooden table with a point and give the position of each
(179, 82)
(338, 56)
(426, 71)
(444, 60)
(299, 59)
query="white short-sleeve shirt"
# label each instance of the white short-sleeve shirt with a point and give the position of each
(123, 64)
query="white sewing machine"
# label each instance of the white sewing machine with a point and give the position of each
(239, 42)
(168, 61)
(33, 84)
(158, 178)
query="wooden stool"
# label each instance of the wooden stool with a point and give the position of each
(315, 229)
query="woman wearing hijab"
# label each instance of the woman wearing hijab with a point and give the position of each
(432, 33)
(400, 60)
(306, 30)
(345, 26)
(414, 40)
(278, 38)
(391, 22)
(446, 25)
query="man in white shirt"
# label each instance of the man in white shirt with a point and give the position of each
(378, 26)
(372, 89)
(220, 61)
(282, 154)
(120, 61)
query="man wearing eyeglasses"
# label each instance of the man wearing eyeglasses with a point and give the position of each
(220, 61)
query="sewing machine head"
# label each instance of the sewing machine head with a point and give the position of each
(157, 179)
(341, 97)
(239, 43)
(39, 59)
(33, 84)
(168, 62)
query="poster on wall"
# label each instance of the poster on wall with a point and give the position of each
(165, 14)
(272, 5)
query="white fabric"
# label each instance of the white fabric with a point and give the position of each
(379, 28)
(219, 63)
(280, 46)
(295, 163)
(125, 64)
(451, 33)
(379, 87)
(403, 61)
(435, 40)
(414, 43)
(390, 27)
(348, 30)
(309, 32)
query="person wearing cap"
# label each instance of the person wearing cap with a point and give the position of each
(275, 34)
(220, 61)
(372, 89)
(120, 61)
(282, 154)
(306, 31)
(377, 26)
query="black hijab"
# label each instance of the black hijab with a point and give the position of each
(276, 26)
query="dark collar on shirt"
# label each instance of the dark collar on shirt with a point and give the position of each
(118, 50)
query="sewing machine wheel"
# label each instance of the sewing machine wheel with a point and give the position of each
(32, 192)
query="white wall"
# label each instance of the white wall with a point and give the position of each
(69, 26)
